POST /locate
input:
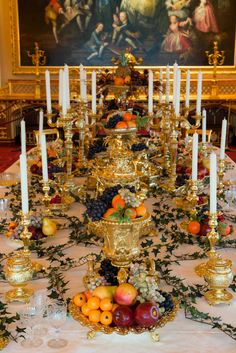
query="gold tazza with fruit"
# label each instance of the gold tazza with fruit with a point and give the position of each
(97, 327)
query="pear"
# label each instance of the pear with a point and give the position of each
(104, 292)
(49, 227)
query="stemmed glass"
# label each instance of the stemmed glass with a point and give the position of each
(29, 317)
(4, 206)
(57, 315)
(40, 301)
(230, 197)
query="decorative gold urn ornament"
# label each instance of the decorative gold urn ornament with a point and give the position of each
(19, 270)
(219, 276)
(121, 240)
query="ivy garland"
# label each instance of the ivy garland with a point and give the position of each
(170, 239)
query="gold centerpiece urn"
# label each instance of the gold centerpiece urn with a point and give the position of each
(18, 272)
(219, 276)
(121, 240)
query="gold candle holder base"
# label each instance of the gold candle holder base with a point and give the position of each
(221, 174)
(200, 269)
(219, 276)
(192, 197)
(46, 199)
(21, 295)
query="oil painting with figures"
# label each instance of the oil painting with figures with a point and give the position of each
(91, 32)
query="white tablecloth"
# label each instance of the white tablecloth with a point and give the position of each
(181, 335)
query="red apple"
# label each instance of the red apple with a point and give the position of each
(146, 314)
(123, 316)
(125, 294)
(224, 229)
(205, 228)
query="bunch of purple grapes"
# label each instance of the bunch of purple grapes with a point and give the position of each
(109, 272)
(111, 124)
(138, 147)
(168, 304)
(96, 208)
(97, 147)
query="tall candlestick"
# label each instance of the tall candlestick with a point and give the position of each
(44, 158)
(199, 93)
(187, 89)
(24, 184)
(223, 139)
(167, 83)
(23, 137)
(40, 125)
(83, 89)
(64, 95)
(94, 93)
(67, 83)
(175, 67)
(60, 87)
(150, 91)
(85, 86)
(195, 157)
(204, 126)
(178, 87)
(161, 87)
(48, 91)
(213, 183)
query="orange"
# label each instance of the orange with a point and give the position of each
(106, 304)
(121, 125)
(119, 81)
(106, 318)
(114, 307)
(117, 202)
(131, 124)
(141, 210)
(109, 212)
(131, 213)
(79, 299)
(127, 116)
(93, 303)
(85, 309)
(194, 227)
(39, 163)
(94, 315)
(87, 294)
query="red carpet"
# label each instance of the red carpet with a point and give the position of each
(8, 155)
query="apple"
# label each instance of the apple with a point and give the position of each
(146, 314)
(104, 292)
(123, 316)
(224, 229)
(179, 169)
(205, 228)
(125, 294)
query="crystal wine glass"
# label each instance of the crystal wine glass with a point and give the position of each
(29, 317)
(40, 301)
(4, 207)
(57, 315)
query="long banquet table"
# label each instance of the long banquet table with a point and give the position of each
(181, 335)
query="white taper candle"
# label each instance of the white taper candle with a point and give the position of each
(187, 88)
(94, 92)
(24, 184)
(204, 123)
(48, 91)
(213, 183)
(199, 93)
(60, 87)
(178, 88)
(64, 94)
(23, 137)
(150, 91)
(167, 83)
(223, 139)
(195, 157)
(40, 125)
(44, 158)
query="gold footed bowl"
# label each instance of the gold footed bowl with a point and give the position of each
(97, 327)
(121, 240)
(3, 342)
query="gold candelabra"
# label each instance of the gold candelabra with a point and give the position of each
(46, 198)
(38, 58)
(192, 197)
(217, 58)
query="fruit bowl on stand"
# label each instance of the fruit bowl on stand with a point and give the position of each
(98, 327)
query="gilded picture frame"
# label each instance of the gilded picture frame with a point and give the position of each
(32, 21)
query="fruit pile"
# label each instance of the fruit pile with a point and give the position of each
(36, 168)
(117, 203)
(125, 120)
(96, 147)
(39, 228)
(184, 170)
(201, 227)
(118, 306)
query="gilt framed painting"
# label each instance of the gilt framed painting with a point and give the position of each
(91, 32)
